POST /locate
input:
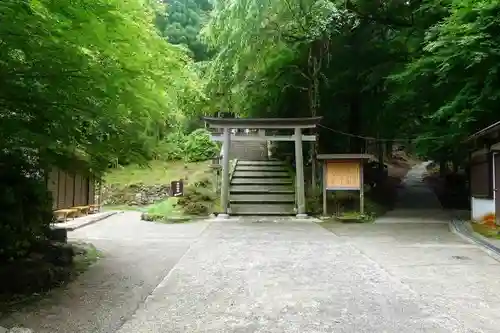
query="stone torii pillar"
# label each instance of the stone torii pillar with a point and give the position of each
(299, 172)
(224, 200)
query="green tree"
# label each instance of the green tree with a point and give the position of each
(182, 23)
(87, 81)
(398, 70)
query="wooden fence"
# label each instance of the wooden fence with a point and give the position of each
(70, 190)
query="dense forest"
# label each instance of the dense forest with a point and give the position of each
(88, 84)
(394, 70)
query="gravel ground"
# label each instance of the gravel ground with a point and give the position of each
(282, 277)
(137, 257)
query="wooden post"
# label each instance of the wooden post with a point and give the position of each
(225, 172)
(324, 190)
(361, 189)
(299, 165)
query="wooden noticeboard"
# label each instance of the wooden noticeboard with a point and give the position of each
(343, 172)
(343, 175)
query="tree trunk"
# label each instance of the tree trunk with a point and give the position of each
(355, 125)
(388, 149)
(380, 153)
(442, 167)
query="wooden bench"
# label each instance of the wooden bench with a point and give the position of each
(63, 214)
(82, 210)
(94, 208)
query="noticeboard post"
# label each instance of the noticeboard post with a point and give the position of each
(343, 172)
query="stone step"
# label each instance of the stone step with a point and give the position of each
(260, 174)
(268, 188)
(262, 198)
(248, 150)
(261, 181)
(268, 162)
(273, 168)
(262, 209)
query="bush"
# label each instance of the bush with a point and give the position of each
(26, 207)
(171, 148)
(199, 146)
(195, 147)
(196, 201)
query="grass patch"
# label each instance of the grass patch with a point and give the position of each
(165, 211)
(486, 230)
(158, 172)
(86, 255)
(354, 217)
(198, 201)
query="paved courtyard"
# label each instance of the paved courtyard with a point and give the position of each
(239, 276)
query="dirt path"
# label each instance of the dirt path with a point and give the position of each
(416, 202)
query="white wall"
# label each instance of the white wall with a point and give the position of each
(481, 207)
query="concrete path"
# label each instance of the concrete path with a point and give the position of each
(282, 277)
(244, 276)
(137, 257)
(452, 282)
(416, 203)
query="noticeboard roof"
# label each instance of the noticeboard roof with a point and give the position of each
(344, 156)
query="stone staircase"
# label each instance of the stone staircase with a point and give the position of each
(261, 187)
(248, 150)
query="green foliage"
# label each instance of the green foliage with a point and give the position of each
(182, 22)
(197, 200)
(71, 85)
(165, 208)
(199, 146)
(457, 72)
(87, 81)
(398, 70)
(194, 147)
(26, 206)
(171, 148)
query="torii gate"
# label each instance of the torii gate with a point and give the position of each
(297, 124)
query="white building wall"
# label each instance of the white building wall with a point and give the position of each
(482, 207)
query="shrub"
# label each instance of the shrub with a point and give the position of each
(195, 147)
(198, 146)
(171, 148)
(26, 207)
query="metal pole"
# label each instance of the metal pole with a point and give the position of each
(299, 165)
(225, 173)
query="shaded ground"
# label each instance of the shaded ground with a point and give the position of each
(137, 256)
(416, 202)
(451, 188)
